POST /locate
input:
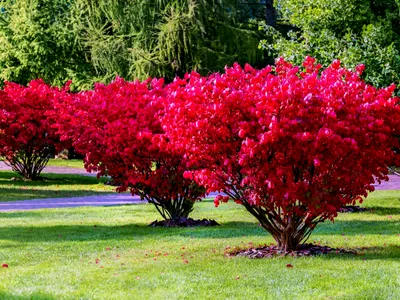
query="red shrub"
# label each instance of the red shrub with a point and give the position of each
(117, 127)
(292, 146)
(27, 139)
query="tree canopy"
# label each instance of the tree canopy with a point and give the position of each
(89, 41)
(354, 31)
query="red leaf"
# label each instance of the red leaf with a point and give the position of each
(289, 266)
(4, 265)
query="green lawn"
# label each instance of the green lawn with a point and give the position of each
(70, 163)
(55, 186)
(52, 254)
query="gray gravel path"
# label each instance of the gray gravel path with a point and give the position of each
(110, 199)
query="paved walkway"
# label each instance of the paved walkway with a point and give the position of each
(110, 199)
(392, 184)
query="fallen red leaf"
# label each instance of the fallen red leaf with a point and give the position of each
(289, 266)
(4, 265)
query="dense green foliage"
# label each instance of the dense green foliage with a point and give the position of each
(89, 41)
(37, 41)
(355, 31)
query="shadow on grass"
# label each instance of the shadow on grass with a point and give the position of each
(357, 227)
(383, 211)
(391, 252)
(12, 195)
(130, 231)
(66, 234)
(50, 179)
(94, 232)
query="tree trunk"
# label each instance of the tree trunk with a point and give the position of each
(172, 209)
(287, 233)
(286, 241)
(270, 13)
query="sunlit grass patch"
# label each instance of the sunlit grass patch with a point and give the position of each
(112, 253)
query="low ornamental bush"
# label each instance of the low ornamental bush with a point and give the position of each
(27, 139)
(117, 127)
(291, 144)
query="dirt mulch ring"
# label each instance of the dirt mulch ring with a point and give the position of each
(352, 209)
(274, 251)
(184, 222)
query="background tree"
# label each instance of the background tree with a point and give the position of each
(90, 41)
(161, 38)
(292, 146)
(37, 40)
(353, 31)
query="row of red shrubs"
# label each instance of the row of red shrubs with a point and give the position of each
(291, 144)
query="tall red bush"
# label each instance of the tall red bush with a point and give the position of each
(117, 127)
(292, 145)
(27, 139)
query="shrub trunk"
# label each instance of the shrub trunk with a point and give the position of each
(174, 209)
(30, 164)
(288, 232)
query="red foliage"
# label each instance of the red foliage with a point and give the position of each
(118, 128)
(292, 145)
(27, 138)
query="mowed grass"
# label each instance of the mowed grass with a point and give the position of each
(112, 253)
(69, 163)
(54, 186)
(58, 162)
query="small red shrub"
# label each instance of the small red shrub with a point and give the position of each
(117, 127)
(27, 139)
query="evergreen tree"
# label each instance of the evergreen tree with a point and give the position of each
(96, 40)
(138, 39)
(37, 41)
